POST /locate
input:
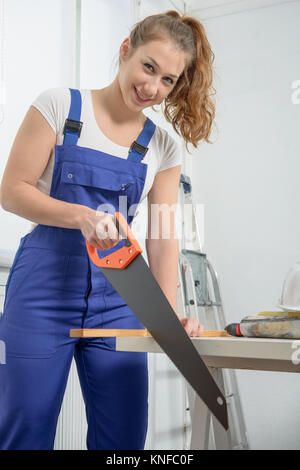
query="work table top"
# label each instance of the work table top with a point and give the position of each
(232, 352)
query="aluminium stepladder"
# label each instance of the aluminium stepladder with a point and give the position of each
(200, 298)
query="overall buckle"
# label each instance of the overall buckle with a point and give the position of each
(138, 148)
(74, 126)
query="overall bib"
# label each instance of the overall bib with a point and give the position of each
(53, 287)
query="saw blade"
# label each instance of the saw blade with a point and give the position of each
(143, 295)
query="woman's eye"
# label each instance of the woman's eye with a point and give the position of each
(148, 65)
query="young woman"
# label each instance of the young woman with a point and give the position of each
(73, 157)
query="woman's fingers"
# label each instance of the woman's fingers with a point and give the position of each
(99, 229)
(107, 233)
(200, 330)
(192, 326)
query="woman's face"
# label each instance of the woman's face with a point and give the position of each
(150, 74)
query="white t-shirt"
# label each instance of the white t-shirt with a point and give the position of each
(54, 104)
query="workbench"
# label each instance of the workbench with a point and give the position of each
(229, 353)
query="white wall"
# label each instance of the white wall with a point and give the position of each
(38, 54)
(104, 26)
(248, 181)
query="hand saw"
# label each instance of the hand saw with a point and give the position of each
(129, 274)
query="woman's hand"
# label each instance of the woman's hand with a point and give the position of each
(192, 326)
(99, 229)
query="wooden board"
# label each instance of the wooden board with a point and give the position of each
(94, 333)
(279, 314)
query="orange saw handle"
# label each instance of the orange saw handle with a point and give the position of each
(120, 258)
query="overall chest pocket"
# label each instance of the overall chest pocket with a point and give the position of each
(93, 186)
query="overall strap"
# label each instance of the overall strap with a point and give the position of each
(139, 147)
(73, 125)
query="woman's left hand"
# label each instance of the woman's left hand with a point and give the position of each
(192, 326)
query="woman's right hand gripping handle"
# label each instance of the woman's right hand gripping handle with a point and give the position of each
(99, 229)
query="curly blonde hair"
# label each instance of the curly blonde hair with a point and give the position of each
(189, 107)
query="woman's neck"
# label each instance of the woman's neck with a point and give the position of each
(111, 101)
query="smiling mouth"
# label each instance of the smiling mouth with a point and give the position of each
(141, 100)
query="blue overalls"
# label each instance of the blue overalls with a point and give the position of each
(53, 287)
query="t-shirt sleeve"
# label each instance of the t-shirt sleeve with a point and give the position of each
(171, 154)
(54, 104)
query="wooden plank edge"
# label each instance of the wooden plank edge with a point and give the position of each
(100, 332)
